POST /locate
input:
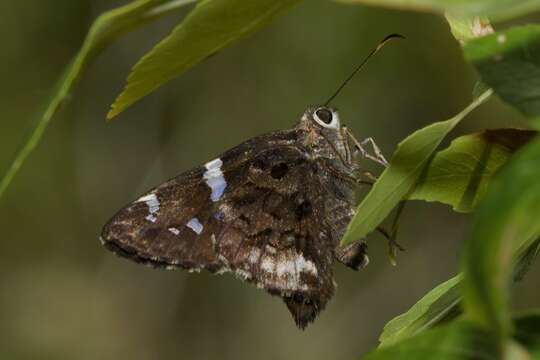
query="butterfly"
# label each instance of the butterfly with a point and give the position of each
(271, 211)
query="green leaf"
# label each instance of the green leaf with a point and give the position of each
(506, 224)
(495, 9)
(442, 303)
(468, 28)
(479, 89)
(107, 28)
(211, 26)
(526, 259)
(430, 310)
(457, 340)
(514, 351)
(406, 167)
(527, 330)
(509, 62)
(459, 175)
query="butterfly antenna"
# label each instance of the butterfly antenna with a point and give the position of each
(373, 52)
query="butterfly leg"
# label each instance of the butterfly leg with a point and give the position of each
(364, 177)
(369, 176)
(378, 157)
(353, 255)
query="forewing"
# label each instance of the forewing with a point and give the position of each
(172, 225)
(257, 211)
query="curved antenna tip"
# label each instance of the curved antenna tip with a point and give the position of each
(388, 38)
(394, 36)
(373, 52)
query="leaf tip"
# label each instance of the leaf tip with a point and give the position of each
(111, 114)
(115, 109)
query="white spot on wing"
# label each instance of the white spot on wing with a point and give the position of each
(286, 268)
(288, 265)
(254, 255)
(270, 249)
(304, 265)
(223, 259)
(145, 198)
(243, 274)
(152, 202)
(175, 231)
(195, 225)
(268, 265)
(223, 270)
(215, 179)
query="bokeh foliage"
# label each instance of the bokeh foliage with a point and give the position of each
(492, 173)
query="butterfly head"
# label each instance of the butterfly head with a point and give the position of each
(324, 134)
(320, 118)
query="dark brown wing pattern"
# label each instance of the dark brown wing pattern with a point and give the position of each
(256, 211)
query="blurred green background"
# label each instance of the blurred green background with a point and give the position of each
(64, 297)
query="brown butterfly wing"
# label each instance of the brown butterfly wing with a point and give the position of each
(257, 211)
(172, 224)
(162, 228)
(276, 234)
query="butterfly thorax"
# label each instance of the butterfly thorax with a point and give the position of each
(328, 145)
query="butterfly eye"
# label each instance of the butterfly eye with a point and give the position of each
(324, 115)
(326, 118)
